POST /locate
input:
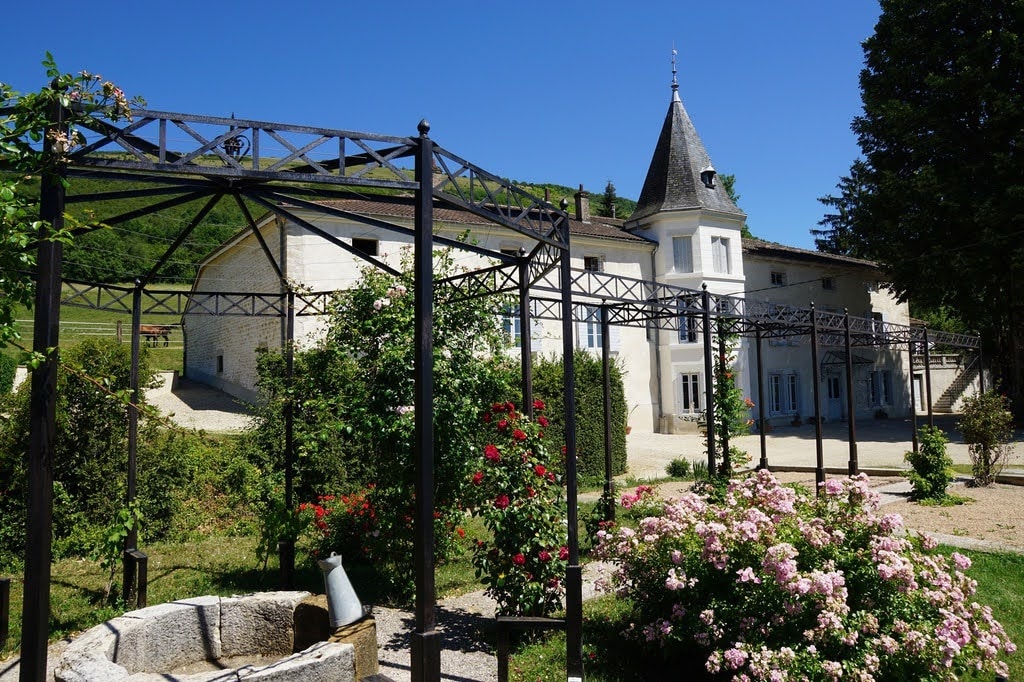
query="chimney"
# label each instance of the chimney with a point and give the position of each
(582, 205)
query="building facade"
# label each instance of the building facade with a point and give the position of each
(686, 232)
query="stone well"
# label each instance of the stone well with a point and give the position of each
(264, 637)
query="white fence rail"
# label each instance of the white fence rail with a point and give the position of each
(154, 337)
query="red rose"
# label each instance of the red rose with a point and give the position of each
(544, 555)
(501, 501)
(543, 421)
(518, 435)
(539, 470)
(498, 407)
(530, 492)
(510, 407)
(519, 559)
(551, 476)
(491, 453)
(461, 532)
(563, 552)
(503, 424)
(538, 404)
(478, 478)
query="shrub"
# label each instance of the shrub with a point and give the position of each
(589, 387)
(932, 467)
(987, 427)
(8, 368)
(773, 582)
(519, 497)
(678, 468)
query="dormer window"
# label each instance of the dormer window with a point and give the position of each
(707, 176)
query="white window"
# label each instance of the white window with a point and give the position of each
(720, 254)
(593, 263)
(682, 254)
(783, 393)
(593, 328)
(688, 328)
(778, 279)
(881, 388)
(689, 394)
(511, 326)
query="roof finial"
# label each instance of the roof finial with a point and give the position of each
(675, 82)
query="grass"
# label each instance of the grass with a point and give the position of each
(610, 657)
(79, 323)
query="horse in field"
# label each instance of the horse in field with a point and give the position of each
(154, 332)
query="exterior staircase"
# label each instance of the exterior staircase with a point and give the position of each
(944, 403)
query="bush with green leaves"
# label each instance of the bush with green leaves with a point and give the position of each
(987, 427)
(932, 470)
(352, 397)
(589, 375)
(678, 468)
(8, 369)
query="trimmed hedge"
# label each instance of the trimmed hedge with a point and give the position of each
(547, 386)
(8, 367)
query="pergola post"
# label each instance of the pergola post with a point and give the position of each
(851, 413)
(131, 542)
(726, 462)
(525, 334)
(573, 572)
(286, 545)
(709, 381)
(913, 403)
(762, 422)
(425, 641)
(819, 467)
(43, 415)
(606, 371)
(928, 378)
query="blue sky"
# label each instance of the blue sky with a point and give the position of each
(562, 92)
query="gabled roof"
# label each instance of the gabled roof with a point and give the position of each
(402, 207)
(759, 247)
(674, 177)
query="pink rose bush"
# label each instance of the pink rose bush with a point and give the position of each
(521, 502)
(775, 584)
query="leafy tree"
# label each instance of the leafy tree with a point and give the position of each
(836, 235)
(729, 182)
(940, 188)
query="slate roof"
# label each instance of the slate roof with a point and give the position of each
(758, 247)
(673, 179)
(402, 207)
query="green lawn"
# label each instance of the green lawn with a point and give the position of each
(78, 323)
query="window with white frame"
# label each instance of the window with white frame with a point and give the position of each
(592, 328)
(783, 393)
(682, 254)
(593, 263)
(688, 328)
(778, 278)
(689, 393)
(720, 255)
(511, 326)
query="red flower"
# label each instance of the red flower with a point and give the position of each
(519, 559)
(487, 417)
(530, 492)
(503, 424)
(501, 501)
(437, 514)
(461, 532)
(538, 404)
(510, 407)
(491, 453)
(478, 478)
(539, 470)
(498, 407)
(563, 552)
(551, 476)
(519, 435)
(543, 421)
(544, 555)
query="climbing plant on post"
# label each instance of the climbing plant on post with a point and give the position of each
(731, 409)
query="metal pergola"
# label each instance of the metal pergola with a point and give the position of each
(208, 166)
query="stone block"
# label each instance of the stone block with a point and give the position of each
(171, 635)
(259, 624)
(88, 656)
(322, 662)
(362, 635)
(311, 622)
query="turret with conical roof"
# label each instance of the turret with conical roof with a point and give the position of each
(681, 176)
